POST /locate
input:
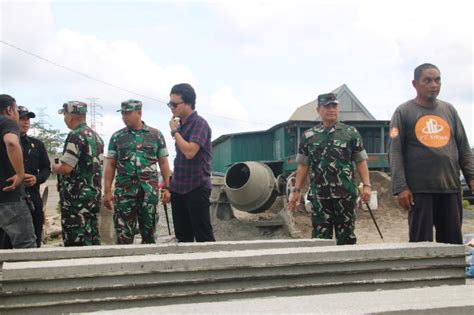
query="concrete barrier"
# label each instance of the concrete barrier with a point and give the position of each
(54, 253)
(87, 284)
(433, 300)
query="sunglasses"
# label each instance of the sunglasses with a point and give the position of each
(173, 104)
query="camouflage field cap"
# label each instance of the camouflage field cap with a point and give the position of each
(326, 99)
(130, 105)
(74, 107)
(23, 111)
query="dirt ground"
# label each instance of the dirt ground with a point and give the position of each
(391, 219)
(275, 223)
(392, 222)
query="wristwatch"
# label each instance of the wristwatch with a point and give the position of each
(294, 189)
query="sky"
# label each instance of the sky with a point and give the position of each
(252, 63)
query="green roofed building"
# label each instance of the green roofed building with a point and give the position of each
(278, 145)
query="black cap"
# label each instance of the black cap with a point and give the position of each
(23, 111)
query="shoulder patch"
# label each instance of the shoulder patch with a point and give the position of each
(308, 134)
(394, 132)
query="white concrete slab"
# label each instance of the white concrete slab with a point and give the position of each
(142, 296)
(112, 282)
(88, 267)
(433, 300)
(53, 253)
(241, 278)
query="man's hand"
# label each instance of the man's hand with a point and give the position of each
(294, 200)
(15, 180)
(109, 200)
(365, 194)
(165, 196)
(174, 123)
(56, 167)
(30, 180)
(405, 199)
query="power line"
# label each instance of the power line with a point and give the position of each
(79, 73)
(113, 85)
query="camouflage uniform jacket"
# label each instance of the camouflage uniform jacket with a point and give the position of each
(330, 154)
(136, 153)
(83, 151)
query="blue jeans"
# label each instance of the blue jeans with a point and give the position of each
(16, 222)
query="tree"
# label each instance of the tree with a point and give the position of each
(53, 139)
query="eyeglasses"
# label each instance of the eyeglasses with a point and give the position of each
(173, 104)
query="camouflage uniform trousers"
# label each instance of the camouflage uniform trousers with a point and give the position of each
(129, 210)
(79, 222)
(338, 214)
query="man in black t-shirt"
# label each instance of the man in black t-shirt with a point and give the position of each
(15, 217)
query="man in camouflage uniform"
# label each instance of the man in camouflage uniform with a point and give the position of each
(326, 152)
(133, 152)
(80, 171)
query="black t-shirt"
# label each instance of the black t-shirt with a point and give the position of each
(6, 168)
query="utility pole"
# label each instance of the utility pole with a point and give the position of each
(94, 113)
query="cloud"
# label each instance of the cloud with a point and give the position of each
(28, 25)
(121, 63)
(225, 113)
(224, 103)
(260, 60)
(372, 46)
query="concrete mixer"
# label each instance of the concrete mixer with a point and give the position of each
(250, 187)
